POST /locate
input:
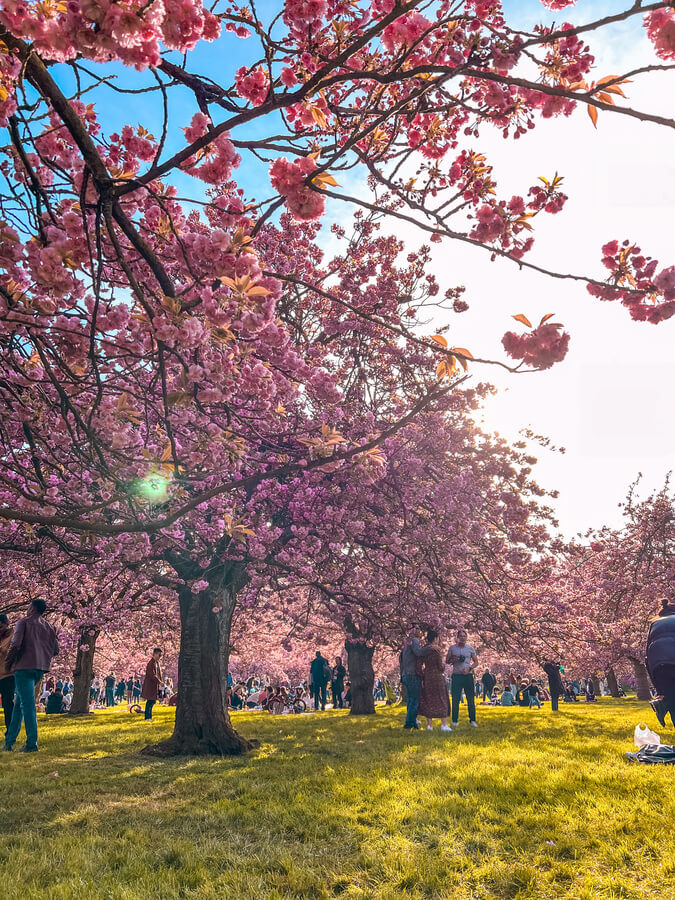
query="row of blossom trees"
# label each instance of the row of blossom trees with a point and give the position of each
(198, 402)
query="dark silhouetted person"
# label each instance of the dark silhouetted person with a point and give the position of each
(488, 681)
(320, 674)
(556, 688)
(6, 677)
(337, 684)
(110, 690)
(661, 661)
(33, 646)
(55, 702)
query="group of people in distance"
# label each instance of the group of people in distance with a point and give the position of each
(326, 684)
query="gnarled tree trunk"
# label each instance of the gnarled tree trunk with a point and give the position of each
(83, 671)
(612, 683)
(202, 724)
(361, 676)
(596, 685)
(642, 679)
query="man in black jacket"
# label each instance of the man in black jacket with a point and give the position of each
(320, 674)
(555, 686)
(337, 684)
(488, 681)
(661, 661)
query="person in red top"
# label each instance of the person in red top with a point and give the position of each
(151, 683)
(33, 646)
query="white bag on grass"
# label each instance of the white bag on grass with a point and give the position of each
(644, 735)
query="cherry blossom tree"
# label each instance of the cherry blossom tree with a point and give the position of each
(185, 379)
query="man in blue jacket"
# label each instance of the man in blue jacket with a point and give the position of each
(661, 661)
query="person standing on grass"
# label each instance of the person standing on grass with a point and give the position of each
(533, 694)
(555, 685)
(488, 681)
(33, 646)
(661, 661)
(151, 683)
(110, 689)
(320, 675)
(6, 677)
(434, 701)
(463, 658)
(337, 684)
(411, 677)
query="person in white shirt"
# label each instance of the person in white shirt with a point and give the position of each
(463, 659)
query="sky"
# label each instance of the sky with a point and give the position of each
(609, 404)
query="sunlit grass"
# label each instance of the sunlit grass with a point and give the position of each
(530, 805)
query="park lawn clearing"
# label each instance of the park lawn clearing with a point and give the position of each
(529, 805)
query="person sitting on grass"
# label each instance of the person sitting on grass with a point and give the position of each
(55, 702)
(522, 695)
(507, 698)
(570, 696)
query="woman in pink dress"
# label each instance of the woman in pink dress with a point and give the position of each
(434, 700)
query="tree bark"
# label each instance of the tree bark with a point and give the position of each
(642, 679)
(83, 671)
(596, 685)
(612, 683)
(202, 725)
(362, 677)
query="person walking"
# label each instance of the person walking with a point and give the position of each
(463, 658)
(488, 681)
(6, 677)
(533, 694)
(151, 683)
(337, 684)
(33, 646)
(320, 673)
(556, 687)
(434, 700)
(661, 661)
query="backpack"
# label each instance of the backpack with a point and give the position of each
(653, 754)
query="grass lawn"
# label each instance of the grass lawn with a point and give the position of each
(529, 805)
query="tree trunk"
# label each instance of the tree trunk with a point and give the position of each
(612, 683)
(202, 725)
(83, 671)
(362, 677)
(596, 685)
(642, 679)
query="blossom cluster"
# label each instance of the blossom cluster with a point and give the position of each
(539, 348)
(290, 180)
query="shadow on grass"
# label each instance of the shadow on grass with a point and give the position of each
(528, 805)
